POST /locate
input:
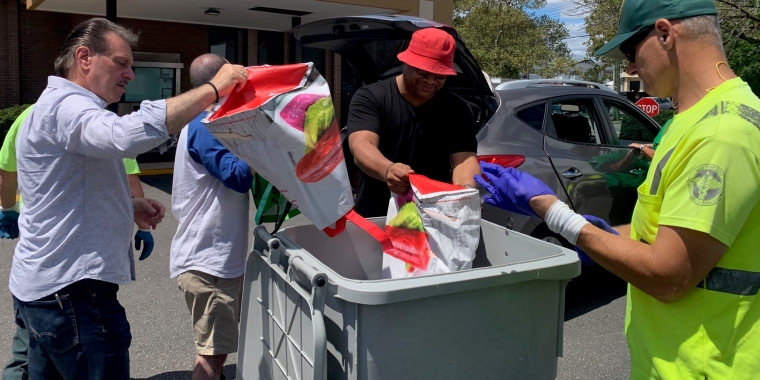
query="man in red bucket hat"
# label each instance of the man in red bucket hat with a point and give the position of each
(409, 124)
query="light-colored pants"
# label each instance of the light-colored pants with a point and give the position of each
(214, 305)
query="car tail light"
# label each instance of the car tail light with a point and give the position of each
(503, 160)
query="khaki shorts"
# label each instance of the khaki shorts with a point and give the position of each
(214, 305)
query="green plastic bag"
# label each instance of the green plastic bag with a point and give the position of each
(270, 203)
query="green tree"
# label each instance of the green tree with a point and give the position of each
(508, 40)
(744, 61)
(739, 20)
(740, 24)
(8, 116)
(597, 74)
(601, 18)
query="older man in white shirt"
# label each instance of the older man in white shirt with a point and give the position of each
(76, 221)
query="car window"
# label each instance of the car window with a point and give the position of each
(533, 115)
(626, 126)
(574, 121)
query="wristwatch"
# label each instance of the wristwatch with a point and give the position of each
(641, 148)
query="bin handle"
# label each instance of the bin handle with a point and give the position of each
(316, 278)
(316, 302)
(315, 297)
(261, 232)
(263, 240)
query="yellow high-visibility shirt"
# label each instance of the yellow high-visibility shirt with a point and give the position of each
(705, 176)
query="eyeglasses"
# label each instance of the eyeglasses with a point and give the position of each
(425, 74)
(629, 46)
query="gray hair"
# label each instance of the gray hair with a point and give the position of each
(205, 67)
(703, 28)
(92, 34)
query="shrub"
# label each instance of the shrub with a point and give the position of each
(663, 117)
(8, 116)
(633, 130)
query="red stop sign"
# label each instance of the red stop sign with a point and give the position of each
(649, 105)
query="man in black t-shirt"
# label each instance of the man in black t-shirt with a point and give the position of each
(407, 124)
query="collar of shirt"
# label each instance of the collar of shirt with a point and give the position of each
(65, 84)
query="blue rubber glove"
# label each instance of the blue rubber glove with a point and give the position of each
(8, 224)
(144, 236)
(599, 223)
(510, 188)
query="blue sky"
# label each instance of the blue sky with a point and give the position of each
(559, 9)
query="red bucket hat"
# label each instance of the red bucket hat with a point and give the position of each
(432, 50)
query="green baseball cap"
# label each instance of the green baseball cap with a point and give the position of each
(636, 15)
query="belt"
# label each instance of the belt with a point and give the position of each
(732, 281)
(85, 289)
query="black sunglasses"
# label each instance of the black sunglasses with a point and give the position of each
(425, 74)
(629, 46)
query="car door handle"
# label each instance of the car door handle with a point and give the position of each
(572, 174)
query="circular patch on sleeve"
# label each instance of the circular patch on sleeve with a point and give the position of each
(706, 185)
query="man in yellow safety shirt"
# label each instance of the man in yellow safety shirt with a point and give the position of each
(690, 254)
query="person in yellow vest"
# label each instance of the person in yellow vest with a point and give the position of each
(690, 254)
(9, 213)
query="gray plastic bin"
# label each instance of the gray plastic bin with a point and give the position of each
(316, 307)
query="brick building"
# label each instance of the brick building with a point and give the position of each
(246, 32)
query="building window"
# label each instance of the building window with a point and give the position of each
(224, 43)
(271, 49)
(150, 83)
(350, 82)
(635, 86)
(314, 55)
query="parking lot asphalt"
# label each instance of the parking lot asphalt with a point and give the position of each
(162, 343)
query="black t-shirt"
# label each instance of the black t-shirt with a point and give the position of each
(422, 137)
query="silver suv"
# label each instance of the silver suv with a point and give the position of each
(526, 83)
(575, 140)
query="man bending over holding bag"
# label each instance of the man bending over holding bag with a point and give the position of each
(407, 124)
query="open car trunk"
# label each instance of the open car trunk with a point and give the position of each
(370, 45)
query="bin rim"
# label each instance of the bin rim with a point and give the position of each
(384, 291)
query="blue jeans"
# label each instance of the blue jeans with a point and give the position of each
(80, 332)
